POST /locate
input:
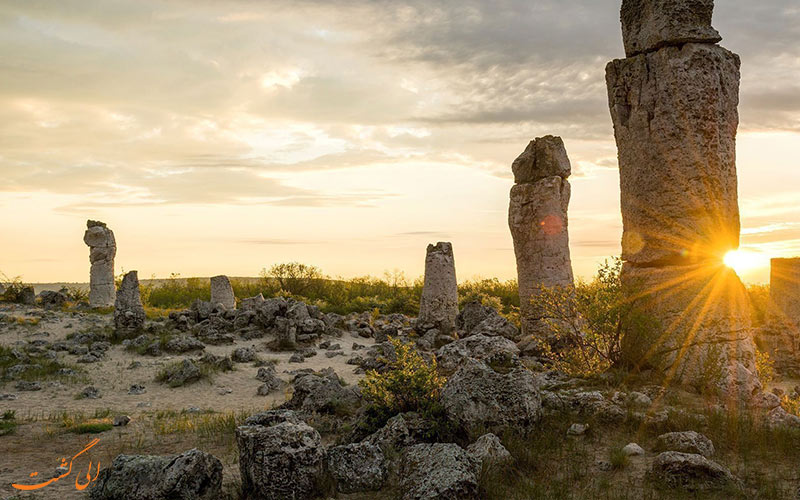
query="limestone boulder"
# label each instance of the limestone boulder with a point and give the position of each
(498, 351)
(322, 393)
(401, 431)
(691, 472)
(439, 471)
(357, 467)
(283, 459)
(488, 450)
(478, 397)
(192, 475)
(685, 442)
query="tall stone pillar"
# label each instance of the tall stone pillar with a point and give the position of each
(439, 305)
(102, 249)
(673, 101)
(222, 292)
(537, 217)
(784, 289)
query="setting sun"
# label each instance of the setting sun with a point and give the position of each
(743, 260)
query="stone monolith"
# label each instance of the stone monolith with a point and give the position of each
(102, 249)
(784, 289)
(537, 217)
(129, 313)
(439, 305)
(222, 292)
(673, 103)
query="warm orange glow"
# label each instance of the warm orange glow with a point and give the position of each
(742, 261)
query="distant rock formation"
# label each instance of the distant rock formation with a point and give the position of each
(779, 335)
(537, 217)
(102, 249)
(673, 102)
(439, 305)
(784, 289)
(129, 313)
(222, 292)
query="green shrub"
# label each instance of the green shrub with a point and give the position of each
(13, 288)
(501, 295)
(76, 294)
(410, 384)
(765, 366)
(587, 321)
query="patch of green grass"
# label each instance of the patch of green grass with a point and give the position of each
(8, 422)
(618, 458)
(40, 368)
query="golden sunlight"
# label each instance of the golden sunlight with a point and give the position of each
(742, 261)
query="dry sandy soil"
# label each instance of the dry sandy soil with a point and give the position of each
(163, 420)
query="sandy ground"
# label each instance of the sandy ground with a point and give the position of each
(39, 443)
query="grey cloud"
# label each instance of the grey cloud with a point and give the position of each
(98, 95)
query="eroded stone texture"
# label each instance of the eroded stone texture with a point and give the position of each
(129, 313)
(537, 217)
(102, 250)
(674, 108)
(648, 25)
(222, 292)
(192, 474)
(439, 305)
(784, 289)
(281, 458)
(675, 122)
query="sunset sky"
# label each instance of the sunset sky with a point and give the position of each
(220, 137)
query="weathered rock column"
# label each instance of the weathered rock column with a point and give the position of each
(784, 289)
(129, 313)
(673, 102)
(439, 305)
(102, 249)
(222, 292)
(537, 217)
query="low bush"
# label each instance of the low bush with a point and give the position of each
(411, 384)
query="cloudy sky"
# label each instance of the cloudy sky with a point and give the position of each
(224, 136)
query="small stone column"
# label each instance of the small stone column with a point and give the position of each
(102, 249)
(439, 305)
(537, 217)
(222, 292)
(129, 313)
(784, 289)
